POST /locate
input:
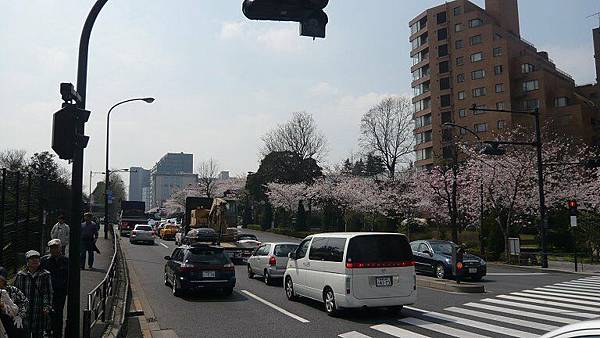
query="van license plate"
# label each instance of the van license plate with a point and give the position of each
(472, 270)
(208, 274)
(383, 281)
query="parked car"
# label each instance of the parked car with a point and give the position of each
(585, 329)
(199, 266)
(142, 233)
(200, 235)
(353, 270)
(230, 234)
(168, 231)
(434, 257)
(270, 260)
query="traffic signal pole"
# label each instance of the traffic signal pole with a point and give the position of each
(73, 302)
(542, 199)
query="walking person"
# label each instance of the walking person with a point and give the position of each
(36, 285)
(13, 307)
(60, 230)
(89, 235)
(58, 266)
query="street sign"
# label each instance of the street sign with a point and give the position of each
(573, 221)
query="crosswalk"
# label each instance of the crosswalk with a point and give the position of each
(523, 314)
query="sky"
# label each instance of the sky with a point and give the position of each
(221, 81)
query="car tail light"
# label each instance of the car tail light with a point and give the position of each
(229, 267)
(185, 268)
(134, 232)
(272, 260)
(399, 264)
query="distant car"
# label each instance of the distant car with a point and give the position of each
(199, 266)
(353, 270)
(169, 231)
(142, 233)
(434, 257)
(585, 329)
(208, 235)
(230, 234)
(270, 260)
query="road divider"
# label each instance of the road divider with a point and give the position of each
(285, 312)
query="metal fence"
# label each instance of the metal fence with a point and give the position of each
(29, 206)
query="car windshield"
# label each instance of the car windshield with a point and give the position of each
(143, 228)
(378, 249)
(442, 247)
(242, 237)
(207, 256)
(282, 250)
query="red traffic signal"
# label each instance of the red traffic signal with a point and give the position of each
(572, 204)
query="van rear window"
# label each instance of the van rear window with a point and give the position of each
(378, 249)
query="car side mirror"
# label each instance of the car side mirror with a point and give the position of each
(168, 258)
(292, 255)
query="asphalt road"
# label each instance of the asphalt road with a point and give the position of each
(258, 310)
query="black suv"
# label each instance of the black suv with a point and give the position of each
(434, 257)
(199, 266)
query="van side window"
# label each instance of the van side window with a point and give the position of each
(327, 249)
(336, 248)
(302, 249)
(318, 249)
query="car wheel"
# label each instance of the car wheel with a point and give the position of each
(176, 291)
(227, 291)
(289, 289)
(250, 273)
(166, 280)
(440, 271)
(329, 299)
(267, 278)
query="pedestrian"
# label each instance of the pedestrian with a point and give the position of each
(60, 230)
(36, 285)
(58, 266)
(13, 307)
(89, 235)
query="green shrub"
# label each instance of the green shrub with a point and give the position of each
(254, 227)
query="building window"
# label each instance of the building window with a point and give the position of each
(422, 104)
(498, 69)
(421, 88)
(441, 18)
(478, 109)
(460, 61)
(477, 57)
(479, 92)
(458, 44)
(475, 23)
(423, 121)
(423, 137)
(457, 11)
(421, 72)
(461, 95)
(444, 67)
(477, 74)
(497, 51)
(442, 34)
(445, 100)
(460, 78)
(527, 68)
(446, 117)
(500, 105)
(531, 104)
(481, 127)
(501, 124)
(458, 27)
(442, 50)
(424, 154)
(499, 87)
(462, 112)
(475, 40)
(530, 85)
(562, 101)
(445, 83)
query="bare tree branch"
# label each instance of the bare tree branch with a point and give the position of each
(207, 175)
(13, 159)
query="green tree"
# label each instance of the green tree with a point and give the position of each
(374, 165)
(359, 168)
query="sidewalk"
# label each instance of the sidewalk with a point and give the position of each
(559, 266)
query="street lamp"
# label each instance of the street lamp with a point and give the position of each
(106, 171)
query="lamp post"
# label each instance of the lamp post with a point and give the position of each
(106, 171)
(90, 183)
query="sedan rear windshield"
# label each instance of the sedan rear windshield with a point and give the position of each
(282, 250)
(144, 228)
(378, 249)
(208, 257)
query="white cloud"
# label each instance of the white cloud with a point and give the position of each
(283, 40)
(323, 89)
(231, 30)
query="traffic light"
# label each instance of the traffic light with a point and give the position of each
(572, 204)
(457, 261)
(309, 13)
(65, 126)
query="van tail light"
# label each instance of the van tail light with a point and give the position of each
(399, 264)
(229, 267)
(272, 260)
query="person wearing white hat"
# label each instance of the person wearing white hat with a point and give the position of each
(58, 266)
(36, 285)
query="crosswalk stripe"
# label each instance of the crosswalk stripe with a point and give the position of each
(567, 290)
(353, 334)
(561, 294)
(541, 308)
(562, 299)
(528, 314)
(575, 286)
(597, 279)
(546, 302)
(396, 331)
(498, 318)
(481, 325)
(447, 330)
(584, 283)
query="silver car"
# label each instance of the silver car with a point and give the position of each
(269, 260)
(142, 233)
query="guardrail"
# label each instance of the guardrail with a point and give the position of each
(99, 296)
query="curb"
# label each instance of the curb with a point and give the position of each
(450, 286)
(540, 269)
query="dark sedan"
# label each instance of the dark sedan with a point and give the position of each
(434, 257)
(199, 266)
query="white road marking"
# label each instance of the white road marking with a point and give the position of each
(541, 308)
(285, 312)
(524, 313)
(440, 328)
(396, 331)
(545, 302)
(578, 286)
(353, 334)
(560, 299)
(566, 291)
(503, 319)
(561, 294)
(516, 273)
(161, 243)
(584, 283)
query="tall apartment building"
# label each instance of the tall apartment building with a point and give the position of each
(464, 55)
(139, 178)
(172, 172)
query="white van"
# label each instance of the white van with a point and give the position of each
(352, 270)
